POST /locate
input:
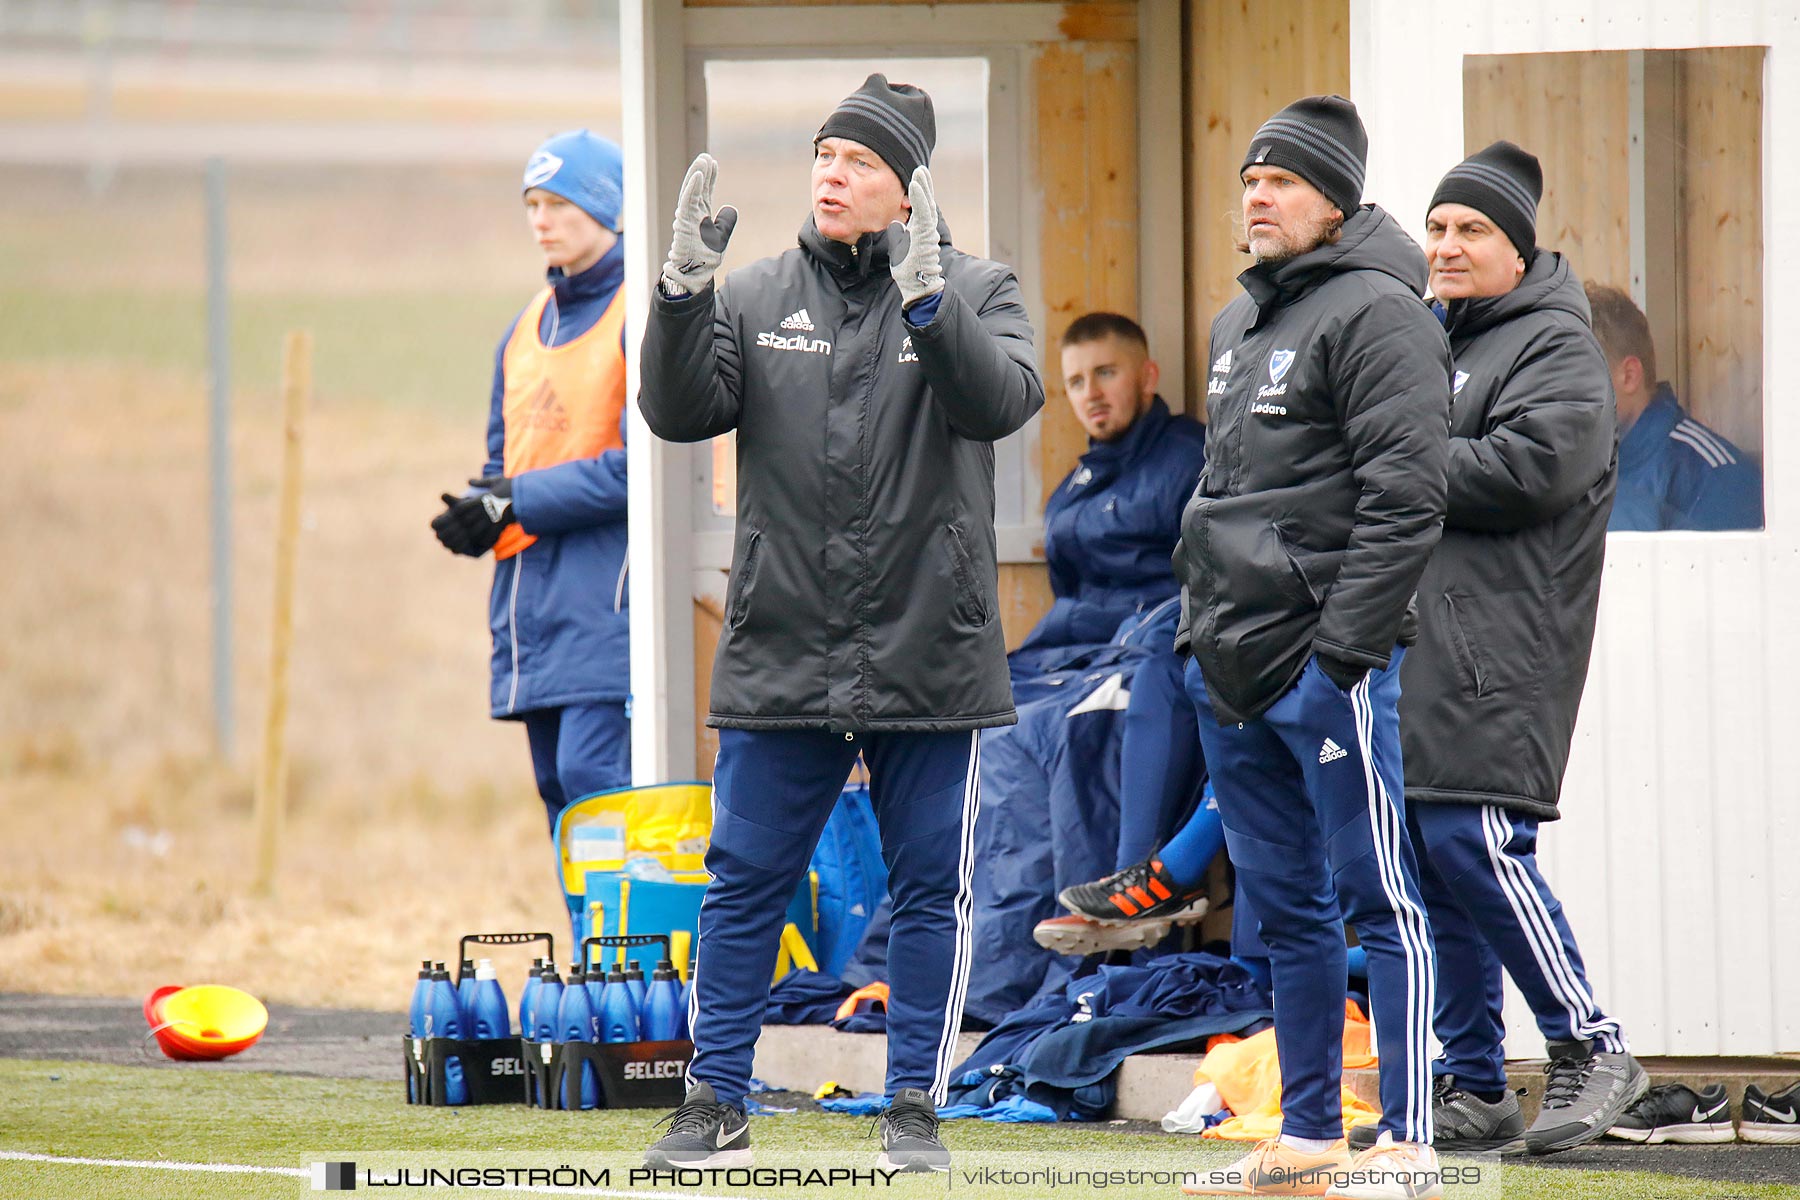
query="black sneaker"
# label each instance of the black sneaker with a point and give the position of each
(1141, 892)
(702, 1133)
(1463, 1122)
(1772, 1120)
(909, 1140)
(1585, 1094)
(1677, 1113)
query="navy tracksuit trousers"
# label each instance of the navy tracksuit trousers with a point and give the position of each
(1490, 908)
(1312, 798)
(772, 794)
(1160, 771)
(577, 750)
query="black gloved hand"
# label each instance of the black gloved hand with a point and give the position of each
(471, 524)
(1345, 675)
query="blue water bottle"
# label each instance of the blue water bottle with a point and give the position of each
(528, 1000)
(596, 990)
(465, 995)
(415, 1014)
(549, 1003)
(443, 1019)
(488, 1013)
(687, 992)
(577, 982)
(634, 979)
(619, 1011)
(575, 1023)
(661, 1019)
(415, 1020)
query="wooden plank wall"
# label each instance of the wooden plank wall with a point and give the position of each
(1081, 133)
(1244, 61)
(1709, 331)
(1527, 99)
(1085, 154)
(1721, 106)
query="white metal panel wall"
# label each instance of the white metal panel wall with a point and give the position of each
(662, 634)
(1676, 858)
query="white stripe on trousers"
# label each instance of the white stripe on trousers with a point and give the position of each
(1409, 923)
(965, 916)
(1541, 934)
(693, 1001)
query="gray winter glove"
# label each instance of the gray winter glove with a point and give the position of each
(700, 238)
(913, 247)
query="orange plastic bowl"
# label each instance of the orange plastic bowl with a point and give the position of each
(153, 1014)
(205, 1022)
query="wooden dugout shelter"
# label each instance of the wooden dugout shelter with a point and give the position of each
(1113, 132)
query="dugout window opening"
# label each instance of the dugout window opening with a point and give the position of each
(757, 113)
(1658, 194)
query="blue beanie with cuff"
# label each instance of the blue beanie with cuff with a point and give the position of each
(586, 170)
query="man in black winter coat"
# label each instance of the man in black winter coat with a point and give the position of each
(1322, 497)
(867, 373)
(1506, 624)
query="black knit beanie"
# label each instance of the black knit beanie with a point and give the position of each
(895, 120)
(1504, 184)
(1320, 139)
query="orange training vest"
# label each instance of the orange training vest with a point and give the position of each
(561, 403)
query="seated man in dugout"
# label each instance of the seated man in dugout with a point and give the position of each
(1051, 815)
(1674, 472)
(1112, 523)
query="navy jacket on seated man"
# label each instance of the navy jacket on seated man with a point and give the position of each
(1674, 472)
(1112, 524)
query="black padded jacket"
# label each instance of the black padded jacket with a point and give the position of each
(1323, 493)
(1508, 602)
(864, 590)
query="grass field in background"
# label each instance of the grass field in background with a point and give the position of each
(409, 348)
(406, 278)
(87, 1111)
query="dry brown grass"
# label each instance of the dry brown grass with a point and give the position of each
(413, 817)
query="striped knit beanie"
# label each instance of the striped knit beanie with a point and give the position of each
(895, 120)
(1320, 139)
(1504, 184)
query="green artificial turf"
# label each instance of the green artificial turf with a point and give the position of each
(82, 1110)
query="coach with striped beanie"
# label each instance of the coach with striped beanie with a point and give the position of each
(1503, 182)
(895, 120)
(1489, 692)
(1322, 140)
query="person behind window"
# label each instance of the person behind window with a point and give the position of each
(1674, 472)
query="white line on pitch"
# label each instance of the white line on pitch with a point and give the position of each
(297, 1172)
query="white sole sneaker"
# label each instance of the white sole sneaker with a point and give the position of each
(718, 1158)
(1770, 1135)
(1078, 934)
(920, 1161)
(1696, 1135)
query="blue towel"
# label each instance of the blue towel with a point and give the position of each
(1062, 1052)
(866, 1104)
(805, 998)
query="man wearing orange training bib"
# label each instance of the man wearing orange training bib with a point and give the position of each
(550, 501)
